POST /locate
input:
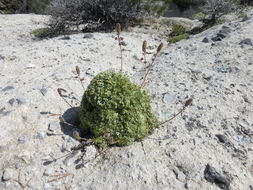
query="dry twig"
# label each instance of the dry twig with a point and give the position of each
(22, 185)
(60, 176)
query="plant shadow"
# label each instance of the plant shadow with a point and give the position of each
(72, 124)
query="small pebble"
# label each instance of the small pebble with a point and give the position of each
(88, 36)
(65, 38)
(123, 43)
(136, 57)
(207, 77)
(21, 100)
(251, 138)
(64, 146)
(18, 165)
(91, 152)
(246, 41)
(2, 110)
(87, 59)
(40, 135)
(22, 139)
(222, 138)
(46, 186)
(2, 57)
(169, 99)
(53, 126)
(48, 172)
(212, 176)
(151, 47)
(11, 101)
(43, 91)
(50, 133)
(30, 66)
(239, 138)
(7, 88)
(8, 174)
(205, 40)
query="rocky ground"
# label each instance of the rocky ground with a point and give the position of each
(208, 147)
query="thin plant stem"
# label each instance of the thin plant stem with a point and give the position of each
(121, 54)
(60, 93)
(152, 64)
(181, 111)
(147, 70)
(118, 30)
(78, 75)
(187, 103)
(81, 82)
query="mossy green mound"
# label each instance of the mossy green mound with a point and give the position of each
(116, 111)
(40, 32)
(178, 29)
(178, 38)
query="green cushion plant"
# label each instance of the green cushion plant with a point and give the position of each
(116, 111)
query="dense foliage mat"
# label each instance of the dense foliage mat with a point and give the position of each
(116, 111)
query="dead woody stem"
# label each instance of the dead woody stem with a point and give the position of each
(22, 185)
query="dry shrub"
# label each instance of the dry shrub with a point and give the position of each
(69, 16)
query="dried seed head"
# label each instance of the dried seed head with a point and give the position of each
(144, 46)
(159, 47)
(118, 28)
(77, 70)
(59, 91)
(188, 102)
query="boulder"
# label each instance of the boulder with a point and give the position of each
(185, 22)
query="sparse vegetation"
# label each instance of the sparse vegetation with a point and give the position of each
(23, 6)
(40, 32)
(89, 15)
(178, 38)
(178, 33)
(114, 110)
(215, 9)
(178, 29)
